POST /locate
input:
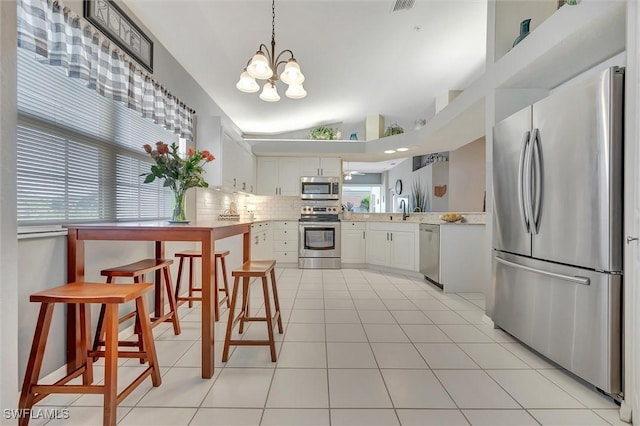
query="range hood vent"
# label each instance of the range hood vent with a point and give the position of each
(403, 5)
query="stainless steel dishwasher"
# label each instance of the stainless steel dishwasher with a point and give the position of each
(430, 252)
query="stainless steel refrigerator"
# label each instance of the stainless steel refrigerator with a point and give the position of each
(557, 265)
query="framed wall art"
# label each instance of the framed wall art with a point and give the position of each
(119, 28)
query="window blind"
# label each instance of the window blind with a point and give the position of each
(80, 155)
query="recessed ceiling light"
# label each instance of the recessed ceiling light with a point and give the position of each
(403, 149)
(390, 151)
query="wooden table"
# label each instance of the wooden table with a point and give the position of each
(204, 232)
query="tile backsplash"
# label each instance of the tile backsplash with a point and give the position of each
(210, 203)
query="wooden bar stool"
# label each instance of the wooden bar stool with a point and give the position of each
(137, 270)
(253, 269)
(194, 254)
(82, 294)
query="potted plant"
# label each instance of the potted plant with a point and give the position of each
(419, 197)
(347, 209)
(394, 129)
(179, 173)
(324, 133)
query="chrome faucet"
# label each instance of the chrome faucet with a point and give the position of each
(403, 204)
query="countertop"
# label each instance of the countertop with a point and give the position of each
(429, 218)
(473, 218)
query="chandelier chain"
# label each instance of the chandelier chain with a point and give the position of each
(273, 20)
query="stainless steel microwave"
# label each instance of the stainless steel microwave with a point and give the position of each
(319, 188)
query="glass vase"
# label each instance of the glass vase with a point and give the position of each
(179, 213)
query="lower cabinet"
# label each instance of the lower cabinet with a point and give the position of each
(392, 244)
(261, 241)
(353, 242)
(463, 265)
(285, 241)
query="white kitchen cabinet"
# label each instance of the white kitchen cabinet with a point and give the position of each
(234, 166)
(285, 241)
(261, 241)
(392, 244)
(278, 176)
(314, 166)
(238, 170)
(462, 263)
(353, 242)
(377, 252)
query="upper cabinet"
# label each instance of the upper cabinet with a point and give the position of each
(278, 176)
(234, 166)
(314, 166)
(239, 165)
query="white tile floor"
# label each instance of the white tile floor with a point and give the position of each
(360, 348)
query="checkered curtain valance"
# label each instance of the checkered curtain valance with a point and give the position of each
(62, 38)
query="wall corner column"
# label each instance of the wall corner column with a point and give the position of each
(9, 385)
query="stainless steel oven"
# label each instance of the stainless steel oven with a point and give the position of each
(319, 239)
(319, 188)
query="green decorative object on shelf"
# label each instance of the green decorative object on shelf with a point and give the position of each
(324, 133)
(524, 31)
(394, 129)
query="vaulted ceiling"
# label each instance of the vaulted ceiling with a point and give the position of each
(358, 56)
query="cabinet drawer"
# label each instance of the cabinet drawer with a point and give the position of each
(285, 246)
(285, 235)
(290, 225)
(286, 256)
(354, 225)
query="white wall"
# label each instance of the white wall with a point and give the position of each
(467, 171)
(35, 264)
(8, 229)
(403, 172)
(509, 15)
(440, 177)
(631, 404)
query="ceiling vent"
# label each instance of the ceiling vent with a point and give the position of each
(403, 5)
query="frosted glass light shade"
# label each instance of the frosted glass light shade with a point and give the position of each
(296, 91)
(247, 83)
(259, 67)
(291, 73)
(269, 93)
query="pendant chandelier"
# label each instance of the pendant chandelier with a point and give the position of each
(264, 66)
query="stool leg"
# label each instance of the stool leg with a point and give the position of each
(276, 301)
(149, 343)
(216, 305)
(100, 327)
(230, 319)
(35, 361)
(245, 303)
(111, 366)
(99, 331)
(85, 337)
(137, 329)
(172, 301)
(179, 280)
(267, 309)
(191, 281)
(224, 279)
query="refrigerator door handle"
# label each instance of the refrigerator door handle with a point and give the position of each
(537, 187)
(528, 182)
(521, 181)
(573, 279)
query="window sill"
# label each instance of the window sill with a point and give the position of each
(28, 232)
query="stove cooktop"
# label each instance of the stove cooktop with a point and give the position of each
(320, 218)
